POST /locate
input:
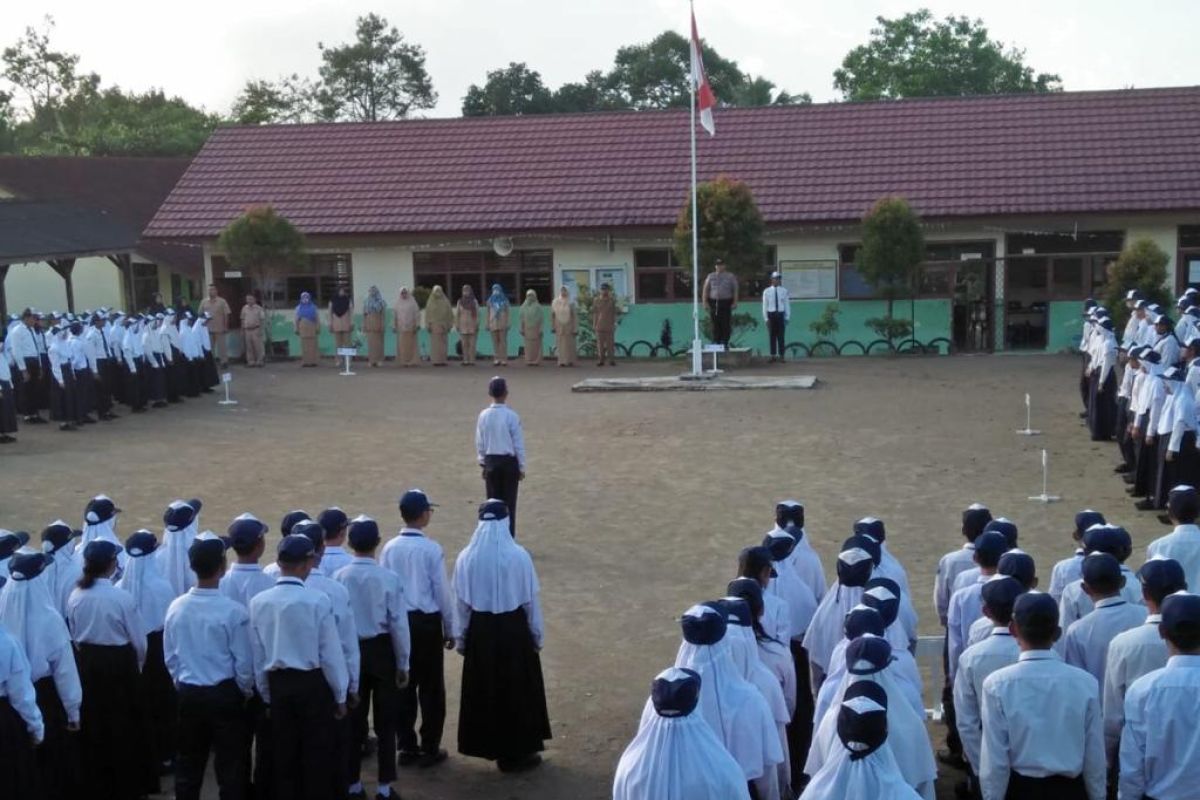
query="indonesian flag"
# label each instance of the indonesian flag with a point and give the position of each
(706, 101)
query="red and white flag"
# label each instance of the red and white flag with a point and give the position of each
(706, 101)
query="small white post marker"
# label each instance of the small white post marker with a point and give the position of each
(226, 379)
(347, 353)
(1045, 497)
(1028, 429)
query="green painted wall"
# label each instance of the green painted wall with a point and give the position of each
(644, 322)
(1065, 326)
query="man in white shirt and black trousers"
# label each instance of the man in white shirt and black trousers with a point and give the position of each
(777, 312)
(500, 447)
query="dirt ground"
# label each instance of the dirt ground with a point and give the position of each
(635, 505)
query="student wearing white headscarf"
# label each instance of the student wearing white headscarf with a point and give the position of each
(731, 705)
(28, 612)
(10, 543)
(100, 524)
(863, 765)
(499, 631)
(854, 567)
(153, 595)
(888, 566)
(180, 521)
(675, 754)
(58, 540)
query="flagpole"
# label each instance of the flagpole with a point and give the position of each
(697, 355)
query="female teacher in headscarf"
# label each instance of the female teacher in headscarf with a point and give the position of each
(498, 323)
(341, 317)
(408, 322)
(308, 325)
(564, 324)
(374, 310)
(466, 322)
(439, 317)
(531, 329)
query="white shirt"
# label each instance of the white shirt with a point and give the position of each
(1160, 745)
(1075, 604)
(967, 577)
(1041, 717)
(206, 640)
(1183, 545)
(1086, 642)
(334, 558)
(498, 433)
(1132, 654)
(17, 687)
(23, 344)
(775, 298)
(977, 662)
(343, 618)
(950, 567)
(377, 603)
(966, 606)
(808, 565)
(1066, 571)
(419, 563)
(294, 628)
(243, 581)
(106, 615)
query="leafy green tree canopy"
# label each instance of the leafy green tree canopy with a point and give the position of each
(1142, 265)
(731, 227)
(919, 56)
(510, 91)
(893, 248)
(262, 241)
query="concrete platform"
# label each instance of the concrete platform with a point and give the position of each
(687, 383)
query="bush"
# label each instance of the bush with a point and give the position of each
(586, 337)
(890, 328)
(421, 295)
(827, 325)
(1142, 265)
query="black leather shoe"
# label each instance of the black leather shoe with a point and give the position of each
(521, 764)
(432, 759)
(1145, 505)
(408, 758)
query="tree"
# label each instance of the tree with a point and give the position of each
(379, 76)
(1142, 265)
(761, 92)
(655, 75)
(731, 228)
(892, 250)
(261, 241)
(45, 75)
(918, 56)
(511, 90)
(591, 94)
(290, 99)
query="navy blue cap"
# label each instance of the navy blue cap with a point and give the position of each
(861, 620)
(100, 509)
(1174, 374)
(1086, 519)
(1183, 502)
(24, 566)
(290, 519)
(245, 530)
(1107, 323)
(1180, 615)
(976, 518)
(100, 551)
(675, 692)
(867, 655)
(11, 542)
(332, 520)
(854, 564)
(1111, 539)
(363, 534)
(1035, 610)
(1163, 576)
(1018, 564)
(497, 387)
(1006, 527)
(870, 526)
(781, 544)
(737, 611)
(883, 595)
(1150, 356)
(56, 535)
(862, 719)
(179, 515)
(207, 545)
(294, 548)
(749, 590)
(789, 512)
(141, 543)
(991, 545)
(1000, 592)
(1090, 303)
(1100, 568)
(310, 528)
(703, 624)
(493, 510)
(867, 543)
(414, 503)
(196, 503)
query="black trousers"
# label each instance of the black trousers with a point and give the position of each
(212, 719)
(1054, 787)
(953, 741)
(722, 314)
(377, 693)
(31, 395)
(426, 688)
(501, 477)
(800, 729)
(303, 735)
(776, 326)
(103, 390)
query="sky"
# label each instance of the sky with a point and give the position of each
(205, 51)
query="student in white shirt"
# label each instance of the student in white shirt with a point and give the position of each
(21, 726)
(1015, 564)
(1043, 733)
(1160, 744)
(755, 563)
(500, 449)
(1183, 543)
(206, 641)
(419, 563)
(854, 568)
(966, 604)
(777, 312)
(1067, 570)
(1116, 541)
(335, 522)
(385, 644)
(1085, 644)
(1139, 650)
(300, 671)
(773, 652)
(245, 579)
(181, 521)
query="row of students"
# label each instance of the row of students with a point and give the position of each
(294, 663)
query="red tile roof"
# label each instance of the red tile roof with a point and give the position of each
(1085, 152)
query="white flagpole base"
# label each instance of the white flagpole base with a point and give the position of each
(697, 357)
(1045, 498)
(1029, 432)
(347, 371)
(227, 402)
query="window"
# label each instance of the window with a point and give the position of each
(938, 271)
(326, 273)
(517, 272)
(658, 276)
(145, 284)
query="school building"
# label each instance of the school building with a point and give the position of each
(1025, 200)
(71, 234)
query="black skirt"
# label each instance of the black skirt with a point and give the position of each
(63, 406)
(18, 769)
(1102, 411)
(209, 371)
(159, 692)
(113, 717)
(58, 755)
(1181, 469)
(503, 709)
(134, 397)
(8, 408)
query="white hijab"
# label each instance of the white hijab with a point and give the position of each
(106, 531)
(29, 612)
(828, 624)
(876, 777)
(173, 555)
(63, 573)
(903, 669)
(150, 590)
(494, 574)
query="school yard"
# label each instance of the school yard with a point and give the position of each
(635, 505)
